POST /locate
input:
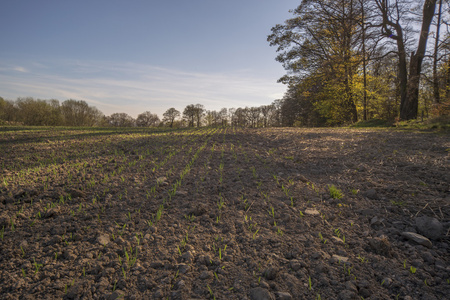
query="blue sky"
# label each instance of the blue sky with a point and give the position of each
(133, 56)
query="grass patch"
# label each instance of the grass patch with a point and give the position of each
(372, 123)
(335, 193)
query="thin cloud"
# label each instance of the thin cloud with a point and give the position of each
(20, 69)
(134, 88)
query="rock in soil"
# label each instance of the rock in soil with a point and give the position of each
(429, 227)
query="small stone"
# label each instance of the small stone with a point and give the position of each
(162, 180)
(270, 273)
(156, 265)
(103, 239)
(74, 291)
(295, 265)
(347, 295)
(381, 246)
(365, 293)
(264, 284)
(158, 294)
(337, 240)
(103, 282)
(77, 193)
(260, 294)
(4, 220)
(180, 285)
(428, 257)
(376, 221)
(198, 210)
(205, 275)
(183, 268)
(429, 227)
(51, 212)
(204, 260)
(312, 212)
(386, 281)
(23, 244)
(417, 263)
(350, 286)
(366, 212)
(187, 256)
(116, 295)
(371, 194)
(337, 258)
(417, 238)
(320, 254)
(283, 296)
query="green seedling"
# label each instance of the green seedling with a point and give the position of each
(337, 232)
(335, 193)
(36, 266)
(412, 270)
(211, 294)
(272, 212)
(362, 259)
(254, 235)
(2, 233)
(190, 218)
(309, 283)
(23, 273)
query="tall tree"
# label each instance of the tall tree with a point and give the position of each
(189, 114)
(121, 120)
(79, 113)
(436, 92)
(392, 14)
(199, 110)
(321, 42)
(170, 115)
(147, 119)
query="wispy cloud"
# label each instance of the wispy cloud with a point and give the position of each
(134, 88)
(20, 69)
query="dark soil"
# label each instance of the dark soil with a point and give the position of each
(224, 213)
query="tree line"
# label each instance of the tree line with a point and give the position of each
(351, 60)
(38, 112)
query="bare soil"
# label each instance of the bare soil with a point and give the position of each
(225, 213)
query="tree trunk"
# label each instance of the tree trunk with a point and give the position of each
(447, 80)
(409, 108)
(436, 93)
(402, 69)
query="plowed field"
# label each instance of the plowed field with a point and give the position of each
(224, 213)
